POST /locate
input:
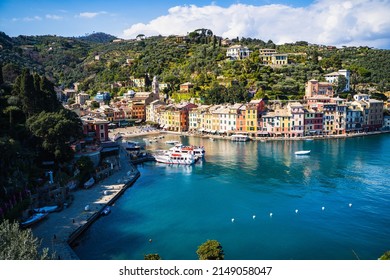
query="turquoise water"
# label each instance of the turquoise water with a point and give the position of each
(180, 207)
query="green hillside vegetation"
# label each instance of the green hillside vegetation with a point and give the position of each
(97, 64)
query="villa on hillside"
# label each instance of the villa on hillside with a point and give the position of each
(237, 52)
(272, 58)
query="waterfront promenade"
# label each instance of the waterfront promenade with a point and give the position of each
(58, 227)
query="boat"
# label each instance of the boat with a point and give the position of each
(302, 153)
(170, 157)
(172, 142)
(309, 139)
(106, 210)
(197, 151)
(46, 209)
(35, 218)
(132, 146)
(89, 183)
(211, 139)
(239, 137)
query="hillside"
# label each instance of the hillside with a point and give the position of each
(97, 63)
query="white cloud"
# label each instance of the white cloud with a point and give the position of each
(91, 14)
(54, 17)
(330, 22)
(27, 19)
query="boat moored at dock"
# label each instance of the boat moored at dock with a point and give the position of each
(239, 137)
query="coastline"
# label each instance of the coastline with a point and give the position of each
(131, 132)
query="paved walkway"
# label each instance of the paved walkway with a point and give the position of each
(55, 230)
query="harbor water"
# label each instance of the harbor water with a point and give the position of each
(258, 199)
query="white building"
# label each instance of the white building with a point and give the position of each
(238, 52)
(334, 77)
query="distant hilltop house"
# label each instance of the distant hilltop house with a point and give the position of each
(186, 87)
(237, 52)
(272, 57)
(334, 78)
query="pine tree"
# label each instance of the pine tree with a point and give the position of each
(17, 244)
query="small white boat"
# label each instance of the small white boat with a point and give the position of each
(211, 139)
(46, 209)
(240, 137)
(309, 139)
(34, 219)
(172, 142)
(89, 183)
(302, 153)
(106, 210)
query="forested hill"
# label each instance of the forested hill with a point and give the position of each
(98, 61)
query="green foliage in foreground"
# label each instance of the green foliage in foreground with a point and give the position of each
(210, 250)
(152, 257)
(385, 256)
(17, 244)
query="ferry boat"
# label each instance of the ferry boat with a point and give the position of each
(170, 157)
(240, 138)
(197, 151)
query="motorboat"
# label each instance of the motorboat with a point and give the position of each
(302, 153)
(172, 142)
(239, 137)
(106, 210)
(197, 151)
(171, 157)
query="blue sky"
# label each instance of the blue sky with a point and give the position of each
(329, 22)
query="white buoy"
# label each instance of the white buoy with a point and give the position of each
(233, 220)
(323, 208)
(270, 214)
(296, 211)
(350, 205)
(254, 217)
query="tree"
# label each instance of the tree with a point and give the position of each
(152, 257)
(56, 130)
(17, 244)
(1, 75)
(210, 250)
(341, 83)
(85, 166)
(385, 256)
